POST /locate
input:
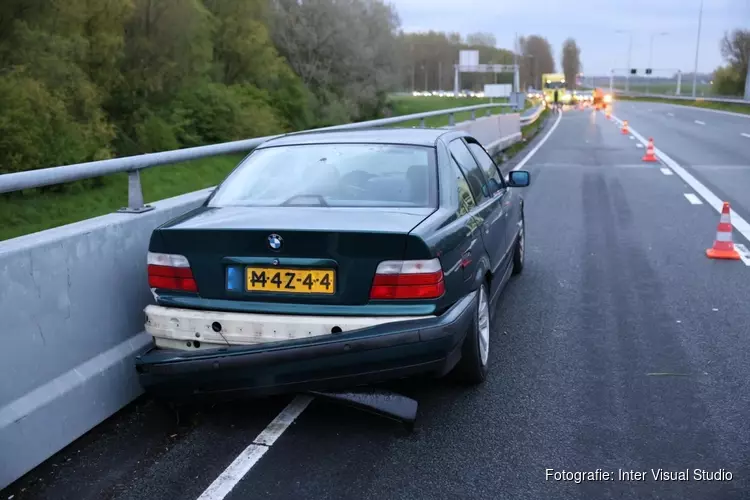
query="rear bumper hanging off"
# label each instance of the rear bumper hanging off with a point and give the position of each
(362, 356)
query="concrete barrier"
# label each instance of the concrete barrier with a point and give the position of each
(71, 320)
(71, 302)
(495, 132)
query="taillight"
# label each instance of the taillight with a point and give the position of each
(408, 279)
(170, 272)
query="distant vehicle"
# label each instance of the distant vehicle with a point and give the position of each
(555, 82)
(534, 94)
(584, 96)
(334, 259)
(601, 100)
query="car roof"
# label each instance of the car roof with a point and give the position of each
(407, 136)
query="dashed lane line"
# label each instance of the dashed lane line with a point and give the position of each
(666, 171)
(700, 122)
(739, 223)
(694, 200)
(245, 461)
(743, 134)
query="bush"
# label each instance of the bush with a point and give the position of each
(728, 81)
(214, 113)
(37, 131)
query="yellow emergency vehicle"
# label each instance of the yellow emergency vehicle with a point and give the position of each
(555, 82)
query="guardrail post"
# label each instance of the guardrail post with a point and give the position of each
(451, 119)
(135, 195)
(473, 115)
(421, 123)
(488, 112)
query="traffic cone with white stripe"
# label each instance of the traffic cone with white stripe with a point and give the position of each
(625, 130)
(723, 246)
(650, 156)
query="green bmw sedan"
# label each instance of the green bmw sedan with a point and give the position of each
(331, 260)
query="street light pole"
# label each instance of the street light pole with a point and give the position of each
(651, 56)
(630, 53)
(697, 47)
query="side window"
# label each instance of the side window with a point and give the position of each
(470, 168)
(487, 165)
(465, 199)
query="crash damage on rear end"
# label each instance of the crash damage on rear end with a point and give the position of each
(278, 285)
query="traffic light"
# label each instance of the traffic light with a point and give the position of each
(648, 71)
(633, 71)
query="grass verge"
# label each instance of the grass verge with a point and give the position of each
(33, 210)
(528, 132)
(407, 105)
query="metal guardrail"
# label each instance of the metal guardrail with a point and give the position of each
(528, 119)
(727, 100)
(134, 164)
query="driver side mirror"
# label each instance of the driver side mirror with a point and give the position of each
(519, 178)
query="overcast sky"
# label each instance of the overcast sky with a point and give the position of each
(593, 24)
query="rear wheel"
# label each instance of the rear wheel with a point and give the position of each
(472, 367)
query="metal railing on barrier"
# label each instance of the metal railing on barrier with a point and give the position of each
(726, 100)
(134, 164)
(533, 115)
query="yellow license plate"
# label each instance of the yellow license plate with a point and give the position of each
(274, 279)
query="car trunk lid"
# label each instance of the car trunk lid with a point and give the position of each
(290, 254)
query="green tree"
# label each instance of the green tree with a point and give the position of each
(535, 60)
(245, 54)
(571, 62)
(735, 48)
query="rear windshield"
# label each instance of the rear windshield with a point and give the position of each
(336, 175)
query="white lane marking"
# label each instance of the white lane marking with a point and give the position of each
(738, 222)
(700, 122)
(670, 114)
(694, 200)
(666, 171)
(638, 145)
(743, 134)
(744, 253)
(536, 148)
(631, 137)
(245, 461)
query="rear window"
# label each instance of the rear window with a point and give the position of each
(340, 175)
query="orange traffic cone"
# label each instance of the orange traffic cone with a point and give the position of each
(625, 129)
(723, 246)
(650, 156)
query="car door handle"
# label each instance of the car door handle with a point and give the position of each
(466, 258)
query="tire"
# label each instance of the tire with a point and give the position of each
(519, 254)
(472, 367)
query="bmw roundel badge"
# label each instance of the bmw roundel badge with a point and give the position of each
(275, 242)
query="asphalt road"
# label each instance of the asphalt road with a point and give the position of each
(620, 347)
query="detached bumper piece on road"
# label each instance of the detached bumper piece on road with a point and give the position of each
(365, 356)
